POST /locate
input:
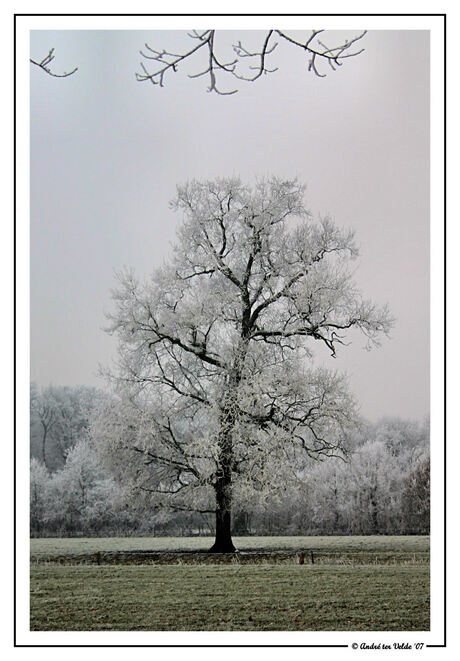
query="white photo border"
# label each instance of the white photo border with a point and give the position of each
(436, 25)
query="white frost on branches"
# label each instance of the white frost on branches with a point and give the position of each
(245, 63)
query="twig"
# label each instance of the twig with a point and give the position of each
(46, 61)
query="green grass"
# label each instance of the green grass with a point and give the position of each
(373, 583)
(229, 597)
(381, 543)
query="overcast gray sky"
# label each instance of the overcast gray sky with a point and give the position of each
(107, 153)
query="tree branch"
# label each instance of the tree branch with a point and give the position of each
(46, 61)
(198, 351)
(331, 55)
(316, 49)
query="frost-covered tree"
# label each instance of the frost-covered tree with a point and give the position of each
(216, 399)
(42, 421)
(404, 438)
(416, 499)
(59, 417)
(82, 496)
(39, 478)
(380, 488)
(373, 494)
(329, 496)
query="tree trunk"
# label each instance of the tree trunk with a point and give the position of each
(374, 517)
(223, 483)
(45, 430)
(223, 542)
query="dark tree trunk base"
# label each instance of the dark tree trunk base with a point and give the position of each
(223, 541)
(222, 547)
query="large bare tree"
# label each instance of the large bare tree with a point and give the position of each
(216, 395)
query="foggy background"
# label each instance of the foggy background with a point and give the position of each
(107, 153)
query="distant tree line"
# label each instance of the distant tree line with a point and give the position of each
(59, 417)
(383, 487)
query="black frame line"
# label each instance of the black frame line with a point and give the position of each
(19, 15)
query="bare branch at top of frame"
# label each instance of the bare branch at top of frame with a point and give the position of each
(316, 48)
(46, 61)
(317, 51)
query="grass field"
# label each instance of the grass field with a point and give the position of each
(408, 544)
(279, 597)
